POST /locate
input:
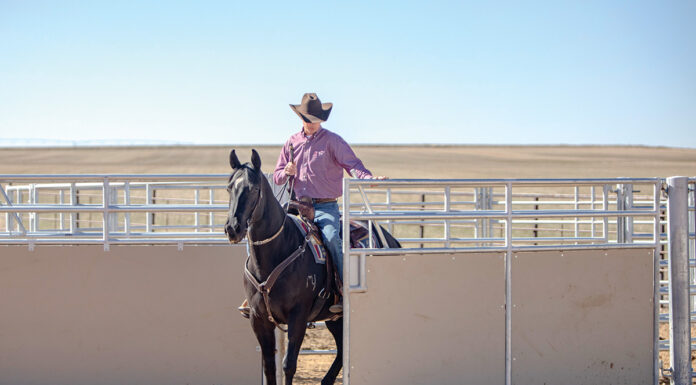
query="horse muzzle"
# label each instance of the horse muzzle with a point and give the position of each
(234, 232)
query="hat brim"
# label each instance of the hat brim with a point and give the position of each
(326, 110)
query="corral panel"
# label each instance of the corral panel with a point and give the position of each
(430, 319)
(582, 317)
(132, 315)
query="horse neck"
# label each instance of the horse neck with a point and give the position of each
(270, 218)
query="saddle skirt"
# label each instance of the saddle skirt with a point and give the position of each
(359, 238)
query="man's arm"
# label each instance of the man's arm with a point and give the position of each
(345, 157)
(279, 175)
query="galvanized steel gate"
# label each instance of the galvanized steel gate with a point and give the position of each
(509, 229)
(617, 277)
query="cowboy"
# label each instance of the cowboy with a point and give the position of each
(319, 158)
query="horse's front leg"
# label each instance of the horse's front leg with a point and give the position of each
(297, 326)
(265, 334)
(336, 329)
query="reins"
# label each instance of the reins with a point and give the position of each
(265, 287)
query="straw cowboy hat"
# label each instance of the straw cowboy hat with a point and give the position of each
(311, 109)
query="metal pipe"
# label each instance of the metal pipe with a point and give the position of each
(346, 280)
(127, 202)
(106, 197)
(656, 283)
(680, 325)
(431, 183)
(73, 202)
(456, 250)
(500, 214)
(508, 285)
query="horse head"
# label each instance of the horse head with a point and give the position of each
(244, 187)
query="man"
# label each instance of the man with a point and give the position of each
(320, 156)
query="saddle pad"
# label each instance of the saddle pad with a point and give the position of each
(315, 242)
(359, 238)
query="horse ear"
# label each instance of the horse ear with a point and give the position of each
(234, 161)
(255, 159)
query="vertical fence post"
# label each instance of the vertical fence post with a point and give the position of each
(106, 198)
(605, 207)
(280, 354)
(447, 207)
(657, 363)
(508, 284)
(197, 214)
(679, 312)
(149, 217)
(73, 215)
(389, 207)
(127, 202)
(592, 207)
(346, 281)
(211, 215)
(61, 201)
(33, 199)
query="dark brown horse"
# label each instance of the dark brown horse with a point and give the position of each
(254, 212)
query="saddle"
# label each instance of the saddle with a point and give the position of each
(303, 208)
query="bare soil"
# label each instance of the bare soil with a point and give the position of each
(392, 161)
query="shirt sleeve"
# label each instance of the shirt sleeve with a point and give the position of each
(279, 176)
(345, 157)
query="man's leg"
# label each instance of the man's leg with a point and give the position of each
(326, 216)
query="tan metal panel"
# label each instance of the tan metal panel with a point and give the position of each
(582, 317)
(132, 315)
(430, 319)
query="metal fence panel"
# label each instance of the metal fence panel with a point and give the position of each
(132, 315)
(582, 317)
(429, 319)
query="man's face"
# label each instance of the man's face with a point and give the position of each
(311, 128)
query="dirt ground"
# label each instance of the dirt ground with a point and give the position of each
(393, 161)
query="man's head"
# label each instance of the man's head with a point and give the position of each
(311, 109)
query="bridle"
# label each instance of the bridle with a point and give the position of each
(265, 287)
(252, 219)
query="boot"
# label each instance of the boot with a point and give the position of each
(244, 309)
(337, 307)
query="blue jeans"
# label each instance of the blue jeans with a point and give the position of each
(327, 216)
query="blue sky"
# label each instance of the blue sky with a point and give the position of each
(591, 72)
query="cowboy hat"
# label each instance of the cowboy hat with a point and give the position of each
(311, 109)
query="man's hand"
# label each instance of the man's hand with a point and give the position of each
(381, 177)
(290, 169)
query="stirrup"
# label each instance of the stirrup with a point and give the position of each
(245, 309)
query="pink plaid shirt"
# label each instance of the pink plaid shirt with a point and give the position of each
(320, 161)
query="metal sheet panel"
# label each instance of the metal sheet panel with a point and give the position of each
(582, 317)
(429, 319)
(132, 315)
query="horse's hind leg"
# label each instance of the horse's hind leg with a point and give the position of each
(336, 329)
(265, 334)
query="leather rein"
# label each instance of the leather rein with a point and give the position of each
(265, 287)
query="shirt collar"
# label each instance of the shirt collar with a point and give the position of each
(313, 135)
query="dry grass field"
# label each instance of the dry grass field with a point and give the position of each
(393, 161)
